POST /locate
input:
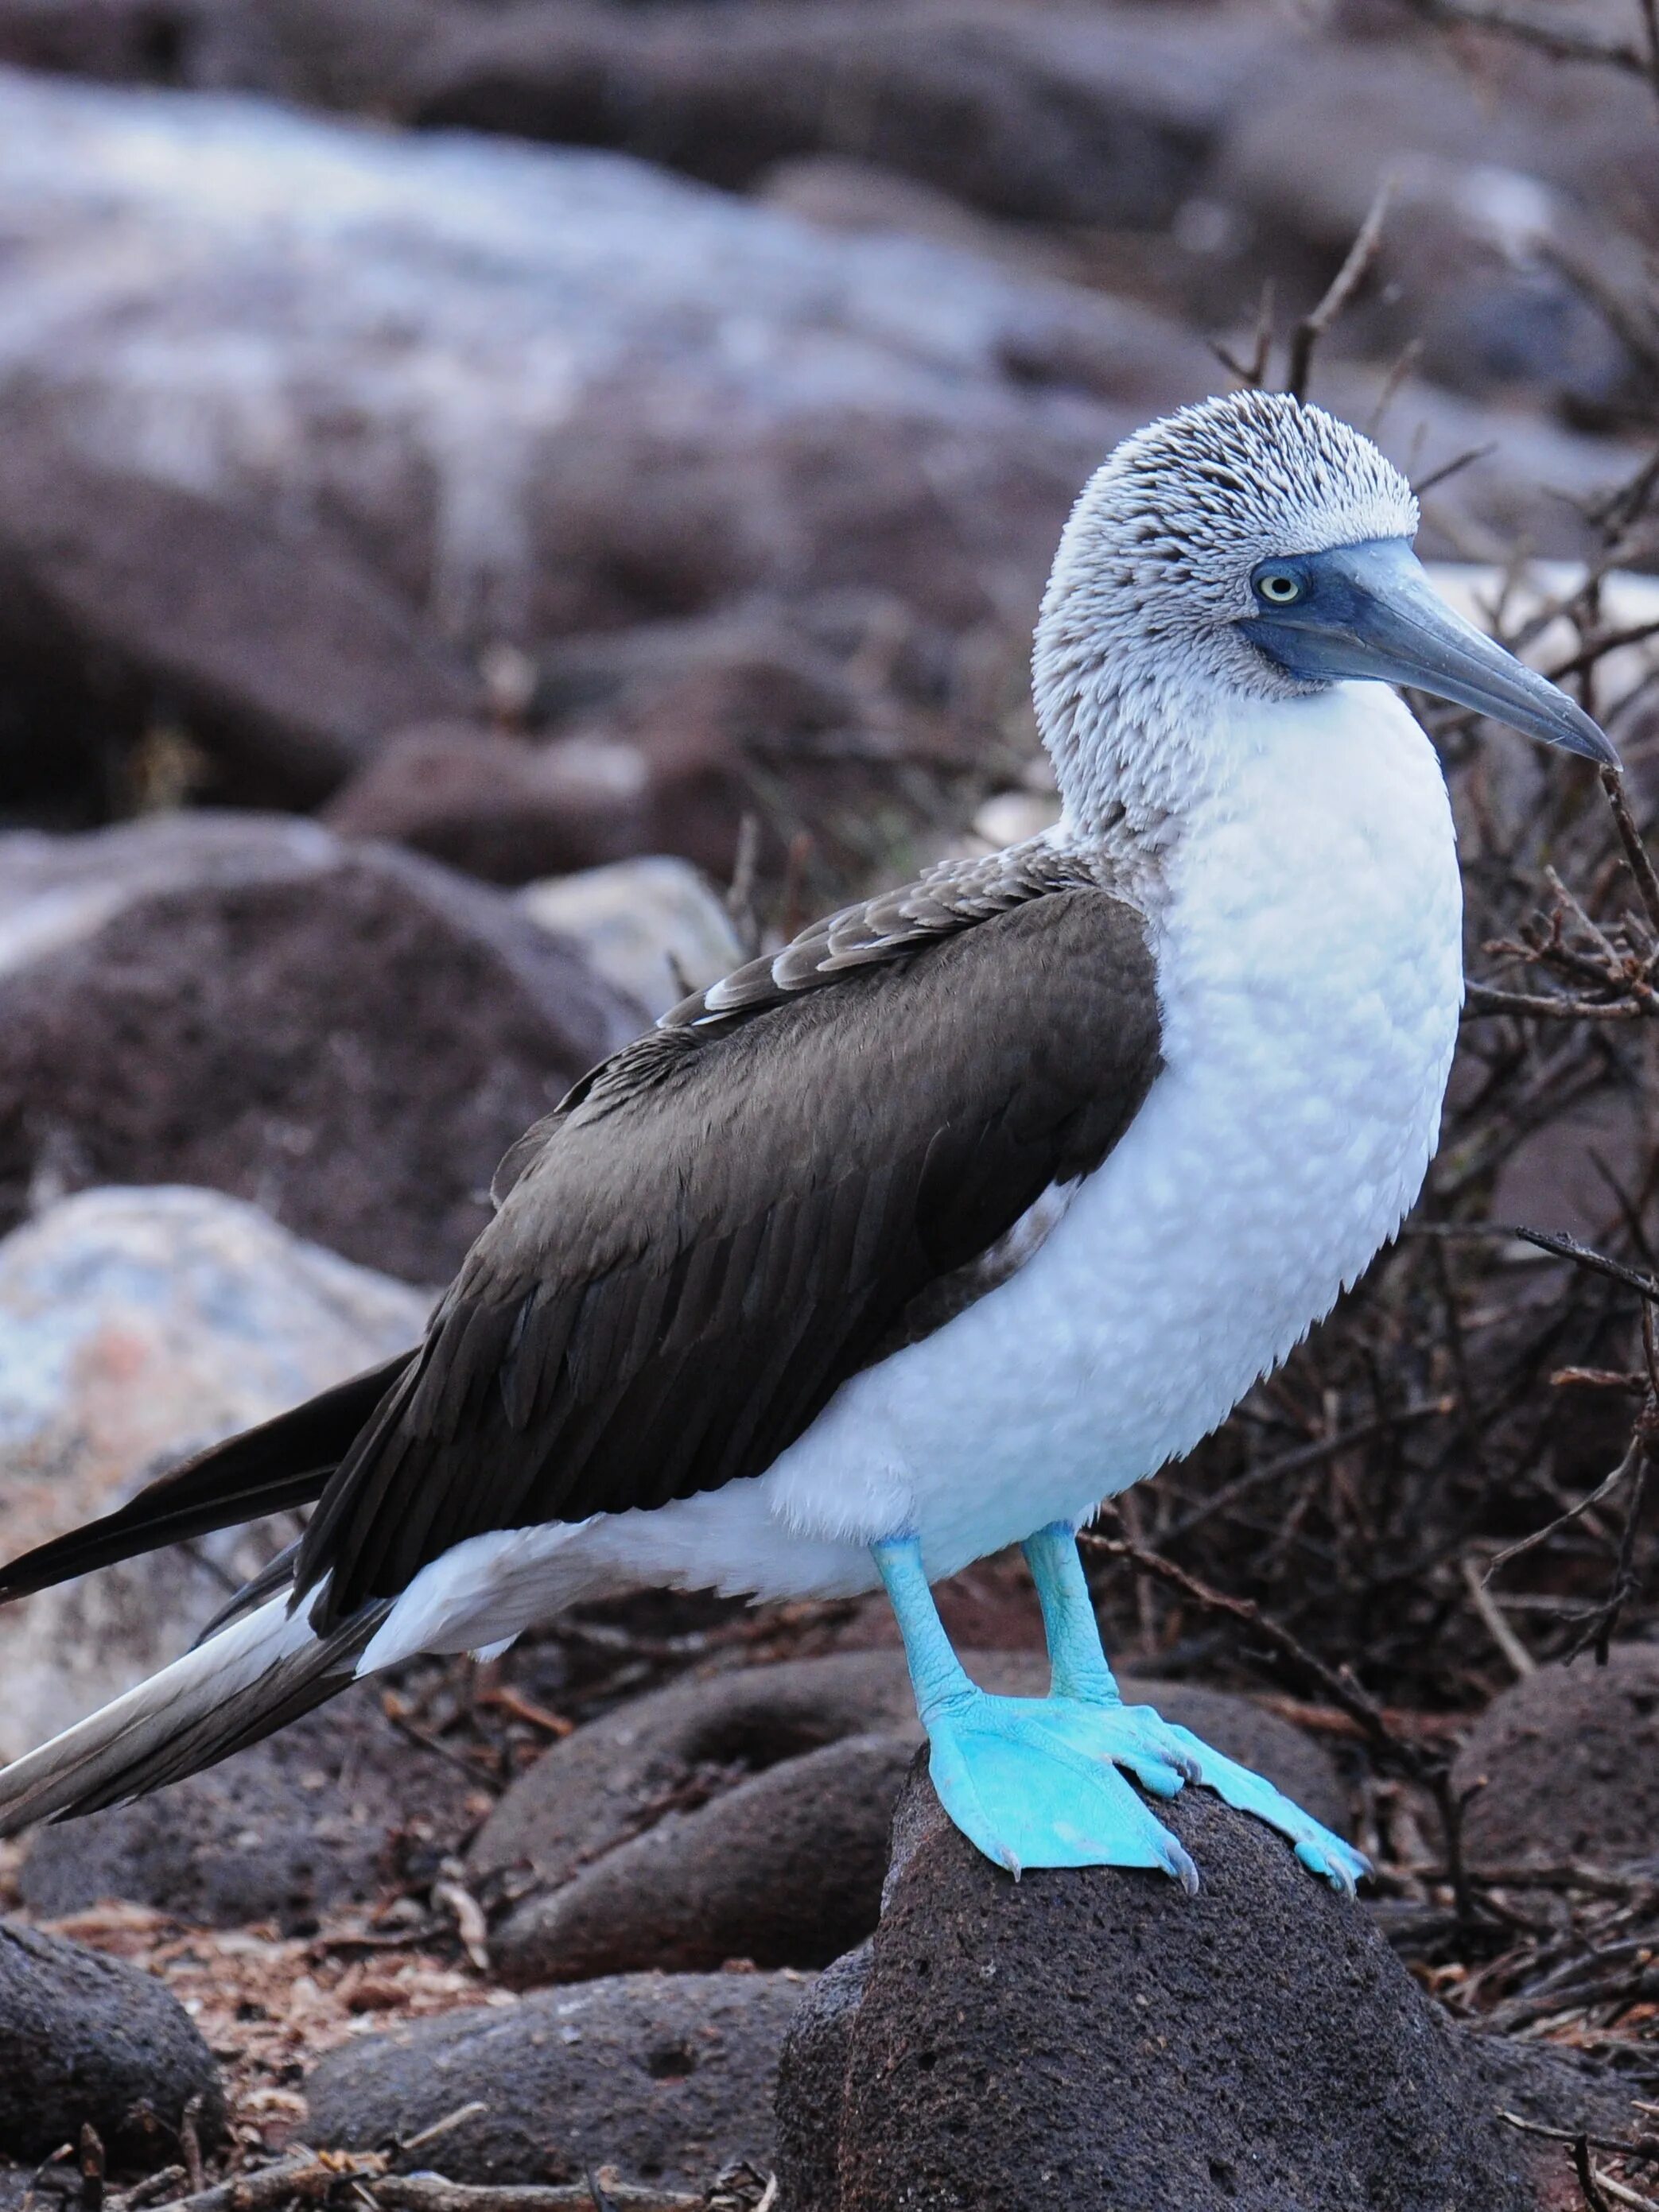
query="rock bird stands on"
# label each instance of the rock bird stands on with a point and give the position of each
(973, 1206)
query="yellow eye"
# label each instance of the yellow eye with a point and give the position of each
(1280, 587)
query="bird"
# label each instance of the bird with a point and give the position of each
(976, 1202)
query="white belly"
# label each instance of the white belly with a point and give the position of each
(1310, 971)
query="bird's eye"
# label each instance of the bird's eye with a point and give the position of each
(1279, 586)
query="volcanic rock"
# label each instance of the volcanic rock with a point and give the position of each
(86, 2040)
(747, 1816)
(328, 1812)
(137, 1326)
(349, 1035)
(664, 2077)
(125, 601)
(1099, 2036)
(1565, 1765)
(1051, 116)
(652, 927)
(783, 1869)
(497, 806)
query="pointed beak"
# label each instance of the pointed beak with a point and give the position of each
(1370, 612)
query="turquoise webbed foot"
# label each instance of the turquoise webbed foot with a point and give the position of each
(1044, 1781)
(1035, 1782)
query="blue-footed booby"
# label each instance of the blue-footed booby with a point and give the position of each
(977, 1203)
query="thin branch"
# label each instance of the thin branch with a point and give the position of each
(1562, 1247)
(1605, 1488)
(1313, 325)
(1641, 861)
(1488, 999)
(1454, 467)
(305, 2178)
(1521, 1662)
(1339, 1686)
(428, 2192)
(1252, 372)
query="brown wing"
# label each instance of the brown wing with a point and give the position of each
(731, 1217)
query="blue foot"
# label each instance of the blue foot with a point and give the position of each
(1035, 1781)
(1041, 1782)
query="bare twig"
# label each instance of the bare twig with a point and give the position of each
(1422, 486)
(1587, 2177)
(1313, 325)
(1641, 862)
(1603, 1489)
(189, 2143)
(428, 2192)
(308, 2177)
(1340, 1688)
(1562, 1247)
(1252, 372)
(92, 2168)
(1522, 1662)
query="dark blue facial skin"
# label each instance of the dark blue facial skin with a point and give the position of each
(1370, 612)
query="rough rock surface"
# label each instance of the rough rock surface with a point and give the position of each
(83, 2038)
(652, 927)
(324, 1814)
(137, 1326)
(350, 1036)
(1056, 116)
(747, 1816)
(1565, 1765)
(125, 600)
(496, 806)
(664, 2076)
(783, 1869)
(1100, 2037)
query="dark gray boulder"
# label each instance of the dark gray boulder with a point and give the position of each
(125, 601)
(86, 2040)
(1565, 1765)
(326, 1812)
(784, 1869)
(347, 1034)
(1057, 116)
(664, 2077)
(1100, 2037)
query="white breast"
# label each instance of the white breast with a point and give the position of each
(1310, 972)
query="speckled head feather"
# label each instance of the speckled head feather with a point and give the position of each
(1138, 652)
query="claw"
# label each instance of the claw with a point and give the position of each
(1180, 1863)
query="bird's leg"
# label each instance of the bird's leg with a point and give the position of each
(1009, 1770)
(1042, 1781)
(1077, 1659)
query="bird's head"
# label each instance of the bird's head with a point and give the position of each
(1254, 549)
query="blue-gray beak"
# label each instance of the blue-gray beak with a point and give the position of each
(1370, 612)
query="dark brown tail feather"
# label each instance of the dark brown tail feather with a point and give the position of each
(264, 1670)
(283, 1463)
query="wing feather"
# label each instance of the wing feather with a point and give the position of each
(727, 1220)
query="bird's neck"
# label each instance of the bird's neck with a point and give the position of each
(1156, 779)
(1131, 765)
